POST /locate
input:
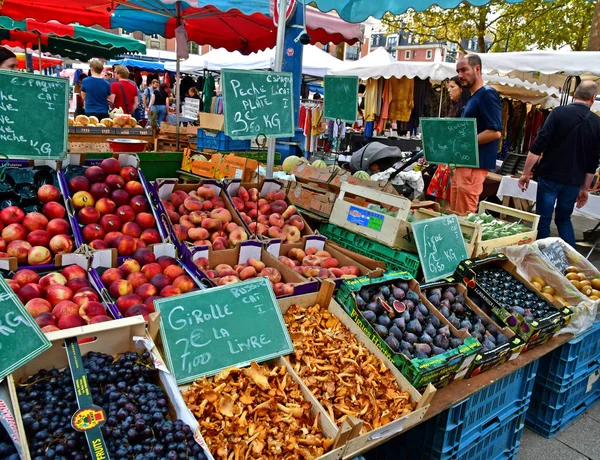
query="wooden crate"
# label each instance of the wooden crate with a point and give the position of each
(350, 214)
(312, 198)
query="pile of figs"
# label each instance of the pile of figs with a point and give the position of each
(513, 295)
(452, 305)
(398, 316)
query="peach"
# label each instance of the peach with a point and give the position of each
(279, 206)
(127, 301)
(36, 307)
(146, 290)
(292, 234)
(137, 279)
(125, 245)
(57, 293)
(65, 307)
(52, 279)
(160, 281)
(3, 255)
(231, 226)
(144, 256)
(134, 188)
(311, 250)
(206, 191)
(26, 276)
(12, 215)
(262, 229)
(288, 288)
(38, 255)
(296, 254)
(39, 238)
(272, 273)
(297, 222)
(19, 249)
(47, 193)
(111, 238)
(99, 191)
(209, 224)
(238, 203)
(228, 280)
(35, 221)
(218, 234)
(309, 272)
(257, 264)
(129, 173)
(192, 203)
(3, 243)
(220, 243)
(276, 220)
(289, 212)
(82, 297)
(276, 232)
(150, 236)
(120, 197)
(224, 270)
(198, 234)
(165, 261)
(243, 194)
(119, 288)
(126, 213)
(287, 261)
(201, 263)
(13, 285)
(114, 182)
(253, 214)
(323, 254)
(99, 245)
(61, 244)
(14, 232)
(76, 284)
(311, 261)
(150, 270)
(138, 310)
(45, 319)
(145, 220)
(95, 174)
(131, 229)
(185, 221)
(92, 232)
(50, 328)
(54, 210)
(221, 214)
(196, 217)
(247, 273)
(173, 217)
(178, 197)
(106, 206)
(237, 236)
(70, 321)
(181, 232)
(184, 283)
(100, 319)
(203, 243)
(264, 209)
(82, 199)
(130, 266)
(173, 271)
(262, 219)
(140, 204)
(170, 291)
(58, 227)
(79, 184)
(350, 270)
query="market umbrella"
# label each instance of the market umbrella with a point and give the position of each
(72, 41)
(145, 66)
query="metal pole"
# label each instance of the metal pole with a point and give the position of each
(177, 69)
(39, 36)
(278, 63)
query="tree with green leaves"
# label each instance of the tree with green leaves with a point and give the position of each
(500, 26)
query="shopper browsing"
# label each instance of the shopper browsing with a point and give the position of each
(124, 91)
(148, 92)
(159, 103)
(8, 59)
(484, 105)
(95, 92)
(568, 151)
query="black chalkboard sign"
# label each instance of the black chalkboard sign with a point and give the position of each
(450, 141)
(33, 116)
(555, 254)
(21, 339)
(341, 98)
(204, 332)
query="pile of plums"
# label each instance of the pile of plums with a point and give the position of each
(398, 316)
(452, 306)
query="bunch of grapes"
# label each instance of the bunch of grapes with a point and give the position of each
(7, 448)
(136, 409)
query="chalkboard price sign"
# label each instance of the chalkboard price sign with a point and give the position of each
(450, 141)
(555, 254)
(341, 97)
(258, 103)
(21, 339)
(204, 332)
(33, 116)
(440, 245)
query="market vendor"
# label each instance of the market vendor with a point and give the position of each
(485, 106)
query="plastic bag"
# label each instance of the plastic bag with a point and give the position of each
(530, 263)
(574, 258)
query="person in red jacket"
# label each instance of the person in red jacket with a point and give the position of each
(124, 91)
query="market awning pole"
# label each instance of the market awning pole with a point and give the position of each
(177, 68)
(278, 64)
(39, 36)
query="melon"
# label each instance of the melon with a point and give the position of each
(319, 164)
(290, 163)
(361, 175)
(199, 158)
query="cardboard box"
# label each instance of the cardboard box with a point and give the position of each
(342, 176)
(127, 335)
(311, 198)
(357, 444)
(170, 130)
(240, 255)
(235, 167)
(212, 121)
(308, 174)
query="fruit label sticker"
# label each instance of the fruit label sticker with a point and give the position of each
(204, 332)
(365, 218)
(15, 325)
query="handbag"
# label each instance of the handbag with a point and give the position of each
(535, 171)
(125, 98)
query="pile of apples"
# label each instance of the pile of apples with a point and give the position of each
(112, 208)
(269, 216)
(224, 274)
(139, 281)
(59, 300)
(201, 218)
(317, 264)
(35, 238)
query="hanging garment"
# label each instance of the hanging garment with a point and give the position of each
(421, 98)
(208, 92)
(401, 98)
(385, 108)
(371, 100)
(301, 116)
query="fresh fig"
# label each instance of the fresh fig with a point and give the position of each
(419, 316)
(455, 342)
(381, 331)
(407, 353)
(423, 348)
(400, 324)
(392, 343)
(375, 307)
(437, 350)
(402, 285)
(423, 309)
(370, 316)
(441, 340)
(460, 298)
(415, 327)
(444, 330)
(435, 322)
(430, 329)
(384, 320)
(412, 295)
(410, 305)
(406, 316)
(479, 327)
(421, 355)
(435, 300)
(398, 293)
(451, 289)
(410, 337)
(501, 339)
(364, 295)
(458, 308)
(360, 303)
(488, 344)
(490, 337)
(448, 296)
(406, 346)
(385, 290)
(454, 320)
(425, 338)
(466, 325)
(445, 311)
(396, 333)
(398, 306)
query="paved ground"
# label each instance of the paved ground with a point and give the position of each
(581, 440)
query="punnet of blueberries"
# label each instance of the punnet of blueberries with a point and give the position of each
(398, 316)
(136, 409)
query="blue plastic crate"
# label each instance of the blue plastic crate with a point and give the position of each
(576, 358)
(220, 141)
(466, 422)
(550, 411)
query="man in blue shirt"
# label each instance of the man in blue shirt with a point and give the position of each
(95, 92)
(484, 105)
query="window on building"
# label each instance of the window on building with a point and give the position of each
(352, 52)
(410, 39)
(407, 54)
(154, 44)
(325, 47)
(392, 42)
(428, 54)
(194, 48)
(378, 40)
(124, 33)
(414, 55)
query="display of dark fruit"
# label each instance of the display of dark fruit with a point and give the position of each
(464, 318)
(513, 294)
(136, 412)
(7, 448)
(398, 316)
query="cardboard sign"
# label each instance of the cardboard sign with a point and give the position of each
(204, 332)
(33, 116)
(450, 141)
(191, 107)
(21, 339)
(440, 245)
(258, 103)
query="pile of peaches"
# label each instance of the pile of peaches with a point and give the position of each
(140, 280)
(36, 237)
(269, 216)
(59, 300)
(317, 264)
(112, 208)
(201, 218)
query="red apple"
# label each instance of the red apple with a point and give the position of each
(111, 166)
(58, 226)
(95, 174)
(53, 210)
(47, 193)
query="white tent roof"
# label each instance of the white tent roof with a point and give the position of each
(546, 67)
(316, 62)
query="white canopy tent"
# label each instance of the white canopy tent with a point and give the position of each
(316, 62)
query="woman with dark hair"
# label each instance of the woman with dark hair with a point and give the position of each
(8, 59)
(439, 186)
(159, 103)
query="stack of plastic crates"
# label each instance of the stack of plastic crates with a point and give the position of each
(567, 384)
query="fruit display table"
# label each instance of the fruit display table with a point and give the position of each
(75, 139)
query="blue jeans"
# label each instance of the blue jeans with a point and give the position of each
(161, 112)
(549, 194)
